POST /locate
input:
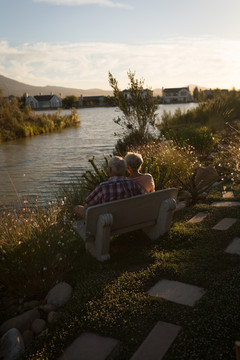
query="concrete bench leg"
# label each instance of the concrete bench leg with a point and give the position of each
(163, 221)
(102, 238)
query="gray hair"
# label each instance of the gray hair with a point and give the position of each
(117, 165)
(134, 160)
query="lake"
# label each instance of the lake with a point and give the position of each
(39, 165)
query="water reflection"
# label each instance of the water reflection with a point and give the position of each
(40, 164)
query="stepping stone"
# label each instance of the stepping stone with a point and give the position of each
(234, 247)
(227, 194)
(157, 342)
(198, 217)
(89, 346)
(177, 292)
(226, 203)
(181, 205)
(225, 224)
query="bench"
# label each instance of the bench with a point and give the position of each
(150, 212)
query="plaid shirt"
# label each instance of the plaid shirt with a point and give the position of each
(116, 188)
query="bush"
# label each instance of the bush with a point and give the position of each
(200, 138)
(138, 111)
(18, 123)
(167, 162)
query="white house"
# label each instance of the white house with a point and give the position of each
(176, 95)
(44, 101)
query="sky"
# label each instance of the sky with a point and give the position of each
(75, 43)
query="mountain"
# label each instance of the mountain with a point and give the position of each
(16, 88)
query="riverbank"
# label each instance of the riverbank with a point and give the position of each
(16, 122)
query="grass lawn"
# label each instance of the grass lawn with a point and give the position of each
(110, 298)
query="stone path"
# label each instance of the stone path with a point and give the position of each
(198, 217)
(226, 203)
(157, 342)
(225, 224)
(90, 346)
(227, 194)
(234, 247)
(177, 292)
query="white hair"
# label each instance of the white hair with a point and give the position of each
(117, 165)
(134, 160)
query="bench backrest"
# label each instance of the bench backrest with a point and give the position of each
(134, 212)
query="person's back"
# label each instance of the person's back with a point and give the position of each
(145, 180)
(116, 188)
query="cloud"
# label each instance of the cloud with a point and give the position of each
(174, 62)
(107, 3)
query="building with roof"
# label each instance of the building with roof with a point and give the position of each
(44, 101)
(176, 95)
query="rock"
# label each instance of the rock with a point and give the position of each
(38, 326)
(28, 337)
(11, 345)
(47, 308)
(60, 294)
(30, 305)
(21, 322)
(206, 176)
(52, 316)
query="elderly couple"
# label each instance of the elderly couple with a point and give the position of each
(118, 187)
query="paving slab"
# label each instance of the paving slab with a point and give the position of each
(176, 291)
(234, 247)
(225, 224)
(228, 194)
(90, 346)
(181, 205)
(226, 203)
(198, 217)
(157, 342)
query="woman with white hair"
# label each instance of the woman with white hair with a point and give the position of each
(134, 163)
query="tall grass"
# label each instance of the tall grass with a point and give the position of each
(18, 123)
(201, 127)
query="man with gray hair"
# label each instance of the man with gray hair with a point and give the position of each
(116, 188)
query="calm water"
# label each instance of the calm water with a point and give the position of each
(40, 164)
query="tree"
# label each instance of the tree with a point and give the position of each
(70, 101)
(138, 111)
(195, 93)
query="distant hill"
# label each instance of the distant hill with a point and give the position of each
(16, 88)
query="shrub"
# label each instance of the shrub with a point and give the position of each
(138, 111)
(167, 162)
(227, 158)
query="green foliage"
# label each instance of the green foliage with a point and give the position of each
(16, 122)
(201, 138)
(94, 177)
(167, 162)
(200, 127)
(138, 111)
(70, 101)
(227, 158)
